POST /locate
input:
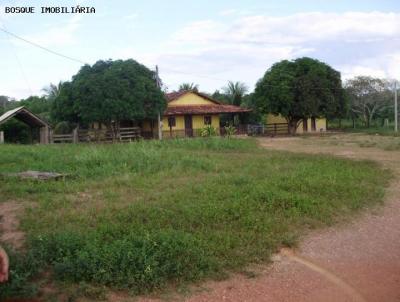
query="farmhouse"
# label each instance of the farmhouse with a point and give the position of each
(188, 112)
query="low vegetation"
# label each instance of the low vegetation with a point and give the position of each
(145, 215)
(380, 140)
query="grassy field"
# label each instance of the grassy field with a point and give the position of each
(151, 214)
(375, 128)
(385, 142)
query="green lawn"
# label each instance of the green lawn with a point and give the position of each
(145, 215)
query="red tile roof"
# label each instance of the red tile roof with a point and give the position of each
(214, 108)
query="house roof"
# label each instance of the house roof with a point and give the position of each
(172, 96)
(204, 109)
(214, 108)
(24, 115)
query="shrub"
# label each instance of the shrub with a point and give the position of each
(229, 130)
(208, 131)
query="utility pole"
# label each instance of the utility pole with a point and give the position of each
(158, 83)
(395, 108)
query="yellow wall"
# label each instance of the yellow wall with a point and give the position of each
(179, 123)
(320, 123)
(197, 122)
(190, 99)
(179, 128)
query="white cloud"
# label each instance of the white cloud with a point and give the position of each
(352, 42)
(63, 34)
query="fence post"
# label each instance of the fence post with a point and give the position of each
(51, 137)
(1, 137)
(75, 137)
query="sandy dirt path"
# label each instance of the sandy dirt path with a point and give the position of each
(359, 261)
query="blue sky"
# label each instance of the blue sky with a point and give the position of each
(200, 42)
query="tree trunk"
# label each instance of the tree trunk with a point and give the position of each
(292, 124)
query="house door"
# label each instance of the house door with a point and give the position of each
(188, 125)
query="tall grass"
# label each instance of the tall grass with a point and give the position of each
(143, 215)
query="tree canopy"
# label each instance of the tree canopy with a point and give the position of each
(235, 92)
(188, 87)
(109, 91)
(300, 89)
(369, 97)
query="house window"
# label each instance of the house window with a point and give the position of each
(171, 121)
(207, 120)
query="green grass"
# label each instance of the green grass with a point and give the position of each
(151, 214)
(375, 128)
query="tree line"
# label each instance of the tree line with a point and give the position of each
(112, 91)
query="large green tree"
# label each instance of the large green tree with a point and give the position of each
(300, 89)
(110, 92)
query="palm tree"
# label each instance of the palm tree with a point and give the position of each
(235, 92)
(189, 87)
(52, 91)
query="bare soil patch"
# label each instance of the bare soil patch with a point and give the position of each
(9, 224)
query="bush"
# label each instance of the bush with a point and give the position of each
(208, 131)
(229, 130)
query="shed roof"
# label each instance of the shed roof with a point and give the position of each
(24, 115)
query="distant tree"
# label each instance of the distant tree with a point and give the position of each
(36, 104)
(369, 97)
(52, 91)
(109, 92)
(235, 92)
(63, 109)
(188, 87)
(220, 97)
(4, 100)
(300, 89)
(253, 117)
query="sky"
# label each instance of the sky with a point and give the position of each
(205, 42)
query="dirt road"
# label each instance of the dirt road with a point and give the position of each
(359, 261)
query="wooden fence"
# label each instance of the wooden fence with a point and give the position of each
(268, 129)
(134, 133)
(98, 136)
